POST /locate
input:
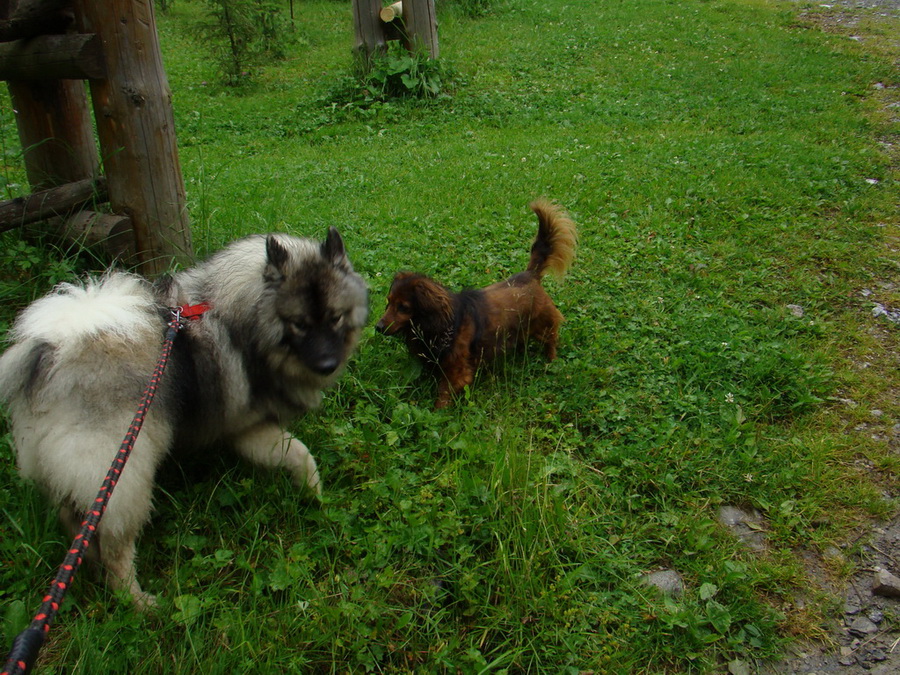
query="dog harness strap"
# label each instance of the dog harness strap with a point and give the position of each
(25, 647)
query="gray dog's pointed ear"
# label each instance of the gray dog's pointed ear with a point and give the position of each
(276, 259)
(333, 248)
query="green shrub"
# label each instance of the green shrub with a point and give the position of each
(398, 73)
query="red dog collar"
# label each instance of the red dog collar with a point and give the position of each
(193, 311)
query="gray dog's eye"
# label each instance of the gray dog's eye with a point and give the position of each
(338, 321)
(299, 328)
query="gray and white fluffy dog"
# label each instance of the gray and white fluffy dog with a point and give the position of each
(285, 315)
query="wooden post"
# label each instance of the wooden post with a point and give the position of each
(44, 69)
(412, 21)
(52, 116)
(421, 26)
(55, 129)
(369, 31)
(136, 128)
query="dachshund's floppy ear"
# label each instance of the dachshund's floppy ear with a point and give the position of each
(431, 297)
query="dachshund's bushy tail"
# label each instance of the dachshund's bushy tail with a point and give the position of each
(554, 247)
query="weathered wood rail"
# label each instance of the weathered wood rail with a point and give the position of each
(49, 49)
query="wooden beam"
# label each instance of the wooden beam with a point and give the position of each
(57, 201)
(53, 57)
(29, 18)
(392, 12)
(108, 235)
(108, 232)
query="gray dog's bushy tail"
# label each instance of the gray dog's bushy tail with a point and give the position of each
(554, 247)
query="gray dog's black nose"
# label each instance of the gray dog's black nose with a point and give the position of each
(325, 366)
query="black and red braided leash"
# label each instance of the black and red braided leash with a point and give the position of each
(27, 644)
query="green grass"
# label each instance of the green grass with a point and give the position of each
(716, 156)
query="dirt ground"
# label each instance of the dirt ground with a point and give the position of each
(864, 635)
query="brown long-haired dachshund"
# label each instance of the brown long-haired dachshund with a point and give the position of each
(456, 331)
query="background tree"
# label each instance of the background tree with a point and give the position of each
(246, 33)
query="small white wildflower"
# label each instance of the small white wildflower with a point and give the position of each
(724, 345)
(729, 398)
(748, 477)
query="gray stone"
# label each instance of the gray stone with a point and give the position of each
(886, 584)
(862, 626)
(739, 667)
(834, 553)
(877, 655)
(746, 526)
(669, 582)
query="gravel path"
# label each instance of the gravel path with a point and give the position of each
(864, 635)
(891, 7)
